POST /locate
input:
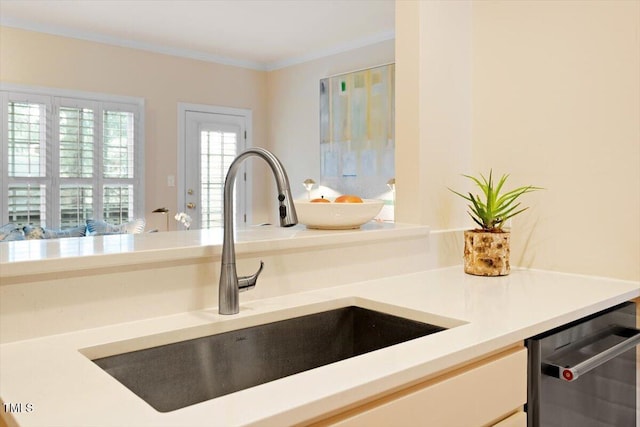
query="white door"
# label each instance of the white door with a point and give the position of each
(211, 142)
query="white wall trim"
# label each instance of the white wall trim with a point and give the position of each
(131, 44)
(356, 44)
(72, 93)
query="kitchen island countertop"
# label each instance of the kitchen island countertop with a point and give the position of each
(54, 378)
(27, 257)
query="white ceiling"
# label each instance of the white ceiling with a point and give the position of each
(261, 34)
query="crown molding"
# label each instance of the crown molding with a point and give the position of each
(363, 42)
(194, 54)
(126, 43)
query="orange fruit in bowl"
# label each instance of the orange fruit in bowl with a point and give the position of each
(348, 198)
(321, 200)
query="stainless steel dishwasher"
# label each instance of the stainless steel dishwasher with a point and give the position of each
(584, 374)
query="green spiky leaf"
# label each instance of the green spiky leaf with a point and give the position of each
(491, 209)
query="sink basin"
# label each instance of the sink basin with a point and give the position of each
(180, 374)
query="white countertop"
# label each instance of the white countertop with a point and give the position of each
(76, 253)
(63, 387)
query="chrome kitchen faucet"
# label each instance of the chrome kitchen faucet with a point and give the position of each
(230, 283)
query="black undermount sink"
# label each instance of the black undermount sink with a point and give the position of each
(180, 374)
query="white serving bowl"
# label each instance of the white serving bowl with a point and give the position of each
(337, 216)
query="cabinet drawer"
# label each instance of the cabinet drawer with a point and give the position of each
(476, 395)
(519, 419)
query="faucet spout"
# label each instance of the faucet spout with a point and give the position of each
(249, 282)
(230, 284)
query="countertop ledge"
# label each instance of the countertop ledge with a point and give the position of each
(56, 377)
(82, 253)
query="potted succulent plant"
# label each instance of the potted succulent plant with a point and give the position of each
(487, 249)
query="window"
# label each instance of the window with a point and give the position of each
(217, 152)
(66, 159)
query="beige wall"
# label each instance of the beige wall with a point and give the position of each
(39, 59)
(566, 117)
(433, 110)
(555, 93)
(294, 114)
(433, 119)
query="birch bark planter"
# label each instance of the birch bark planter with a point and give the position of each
(486, 253)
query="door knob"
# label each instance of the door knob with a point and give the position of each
(191, 205)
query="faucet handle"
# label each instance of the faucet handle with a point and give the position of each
(249, 282)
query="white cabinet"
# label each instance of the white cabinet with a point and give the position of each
(478, 394)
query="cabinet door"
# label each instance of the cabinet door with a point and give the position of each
(519, 419)
(475, 395)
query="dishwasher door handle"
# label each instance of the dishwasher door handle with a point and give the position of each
(554, 367)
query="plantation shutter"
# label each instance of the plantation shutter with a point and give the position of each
(27, 162)
(118, 165)
(68, 159)
(77, 146)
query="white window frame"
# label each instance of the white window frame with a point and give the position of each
(54, 99)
